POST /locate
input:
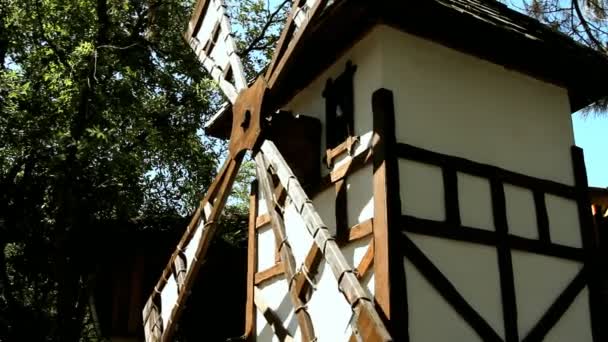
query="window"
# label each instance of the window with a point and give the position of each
(339, 107)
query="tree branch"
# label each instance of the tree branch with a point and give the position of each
(586, 27)
(253, 44)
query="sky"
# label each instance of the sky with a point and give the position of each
(590, 133)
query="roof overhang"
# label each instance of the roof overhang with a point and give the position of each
(486, 29)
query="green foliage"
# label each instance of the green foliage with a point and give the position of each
(102, 106)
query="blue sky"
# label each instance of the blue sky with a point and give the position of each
(590, 133)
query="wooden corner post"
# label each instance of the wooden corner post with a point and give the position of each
(598, 301)
(389, 274)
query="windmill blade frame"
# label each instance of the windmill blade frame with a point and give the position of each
(209, 34)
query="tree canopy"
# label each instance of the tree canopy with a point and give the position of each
(102, 106)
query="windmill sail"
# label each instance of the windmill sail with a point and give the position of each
(210, 36)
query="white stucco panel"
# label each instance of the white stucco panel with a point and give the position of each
(521, 212)
(297, 235)
(564, 226)
(472, 269)
(575, 323)
(275, 294)
(266, 248)
(431, 318)
(539, 280)
(359, 195)
(475, 202)
(421, 188)
(325, 204)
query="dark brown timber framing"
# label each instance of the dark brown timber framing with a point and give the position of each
(598, 303)
(390, 288)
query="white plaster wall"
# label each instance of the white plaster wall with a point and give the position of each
(421, 188)
(431, 318)
(575, 323)
(472, 269)
(521, 212)
(564, 226)
(475, 202)
(359, 195)
(457, 104)
(366, 55)
(538, 282)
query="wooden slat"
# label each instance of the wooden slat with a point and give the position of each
(361, 230)
(348, 283)
(252, 262)
(262, 220)
(366, 262)
(542, 218)
(287, 258)
(269, 273)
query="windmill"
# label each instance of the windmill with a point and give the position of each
(210, 36)
(463, 221)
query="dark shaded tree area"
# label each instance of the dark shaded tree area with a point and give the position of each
(102, 106)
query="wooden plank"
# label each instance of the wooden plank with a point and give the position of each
(447, 290)
(354, 164)
(361, 230)
(366, 262)
(557, 309)
(348, 283)
(487, 237)
(271, 317)
(450, 192)
(390, 289)
(269, 273)
(542, 218)
(287, 258)
(505, 264)
(484, 170)
(262, 220)
(252, 263)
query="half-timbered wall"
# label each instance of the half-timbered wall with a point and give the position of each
(490, 244)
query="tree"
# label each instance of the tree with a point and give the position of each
(586, 21)
(101, 110)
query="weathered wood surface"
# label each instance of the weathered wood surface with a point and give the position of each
(367, 321)
(210, 36)
(252, 263)
(287, 258)
(166, 303)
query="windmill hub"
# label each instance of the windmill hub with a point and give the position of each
(246, 117)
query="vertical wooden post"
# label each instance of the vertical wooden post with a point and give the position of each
(505, 263)
(252, 262)
(389, 273)
(598, 302)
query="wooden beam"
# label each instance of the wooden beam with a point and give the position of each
(269, 273)
(505, 264)
(366, 262)
(390, 287)
(484, 170)
(262, 220)
(361, 230)
(252, 263)
(542, 218)
(487, 237)
(287, 258)
(598, 289)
